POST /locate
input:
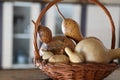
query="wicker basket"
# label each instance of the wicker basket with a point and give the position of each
(71, 71)
(86, 71)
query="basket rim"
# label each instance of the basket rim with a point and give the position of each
(51, 69)
(112, 65)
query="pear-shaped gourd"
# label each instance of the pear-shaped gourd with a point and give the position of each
(74, 57)
(45, 34)
(94, 51)
(70, 28)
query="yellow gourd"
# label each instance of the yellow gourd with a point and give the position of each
(93, 50)
(70, 28)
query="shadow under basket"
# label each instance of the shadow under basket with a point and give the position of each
(86, 71)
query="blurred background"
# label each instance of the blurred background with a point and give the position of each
(16, 28)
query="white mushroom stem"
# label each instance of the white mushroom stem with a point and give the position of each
(114, 53)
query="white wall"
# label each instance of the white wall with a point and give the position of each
(7, 35)
(110, 1)
(99, 26)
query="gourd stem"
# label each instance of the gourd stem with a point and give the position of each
(45, 10)
(110, 19)
(59, 12)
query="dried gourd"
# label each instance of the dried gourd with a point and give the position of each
(70, 28)
(94, 51)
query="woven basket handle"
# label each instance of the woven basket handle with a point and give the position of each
(37, 55)
(36, 24)
(113, 40)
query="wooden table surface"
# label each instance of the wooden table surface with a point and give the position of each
(23, 74)
(36, 74)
